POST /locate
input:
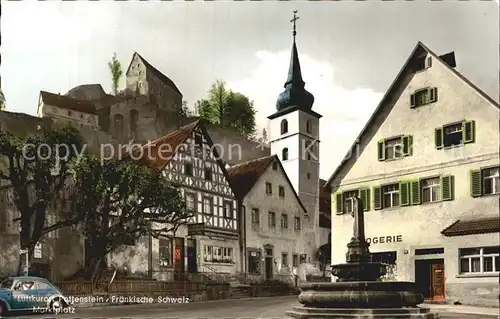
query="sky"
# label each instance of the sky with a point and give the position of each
(350, 52)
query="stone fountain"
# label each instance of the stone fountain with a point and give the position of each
(359, 292)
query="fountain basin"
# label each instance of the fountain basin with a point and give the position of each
(362, 294)
(366, 271)
(388, 313)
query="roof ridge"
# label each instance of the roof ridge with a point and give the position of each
(251, 161)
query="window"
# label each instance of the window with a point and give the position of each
(308, 149)
(308, 175)
(165, 252)
(269, 188)
(395, 148)
(70, 113)
(208, 253)
(254, 262)
(479, 260)
(390, 195)
(214, 254)
(295, 260)
(228, 209)
(388, 257)
(208, 173)
(227, 255)
(296, 223)
(25, 285)
(207, 206)
(303, 258)
(255, 216)
(349, 201)
(423, 97)
(456, 134)
(281, 191)
(198, 140)
(188, 169)
(431, 190)
(422, 63)
(309, 126)
(275, 166)
(284, 259)
(491, 181)
(271, 219)
(41, 285)
(190, 201)
(284, 154)
(284, 221)
(284, 127)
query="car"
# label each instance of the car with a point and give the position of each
(27, 293)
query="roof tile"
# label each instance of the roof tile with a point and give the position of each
(67, 102)
(471, 227)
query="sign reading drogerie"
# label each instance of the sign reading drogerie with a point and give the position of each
(385, 239)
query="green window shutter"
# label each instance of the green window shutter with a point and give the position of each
(476, 183)
(364, 194)
(447, 187)
(377, 198)
(407, 145)
(404, 193)
(433, 95)
(415, 192)
(381, 150)
(469, 132)
(438, 133)
(339, 201)
(412, 100)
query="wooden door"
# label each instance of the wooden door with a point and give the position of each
(191, 256)
(179, 255)
(269, 268)
(437, 281)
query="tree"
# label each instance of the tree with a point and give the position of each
(37, 167)
(183, 111)
(228, 109)
(2, 100)
(123, 201)
(263, 138)
(116, 70)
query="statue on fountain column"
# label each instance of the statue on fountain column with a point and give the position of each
(358, 247)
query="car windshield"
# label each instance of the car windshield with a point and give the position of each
(7, 283)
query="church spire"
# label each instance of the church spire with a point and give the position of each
(295, 93)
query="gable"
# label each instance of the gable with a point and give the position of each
(169, 154)
(457, 99)
(134, 65)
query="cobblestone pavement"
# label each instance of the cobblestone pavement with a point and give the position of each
(262, 308)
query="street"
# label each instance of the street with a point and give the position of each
(238, 308)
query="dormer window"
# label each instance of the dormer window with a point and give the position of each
(284, 127)
(422, 63)
(284, 154)
(309, 126)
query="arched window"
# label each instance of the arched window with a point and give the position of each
(284, 154)
(284, 127)
(118, 125)
(309, 126)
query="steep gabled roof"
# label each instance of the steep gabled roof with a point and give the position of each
(162, 77)
(158, 153)
(244, 176)
(419, 49)
(68, 103)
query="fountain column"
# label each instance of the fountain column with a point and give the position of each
(359, 292)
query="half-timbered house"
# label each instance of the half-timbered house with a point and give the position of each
(209, 241)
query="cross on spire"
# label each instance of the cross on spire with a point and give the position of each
(294, 20)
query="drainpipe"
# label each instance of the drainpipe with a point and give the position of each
(243, 228)
(150, 255)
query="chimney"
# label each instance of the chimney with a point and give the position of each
(449, 58)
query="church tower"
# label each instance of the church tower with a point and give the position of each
(294, 137)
